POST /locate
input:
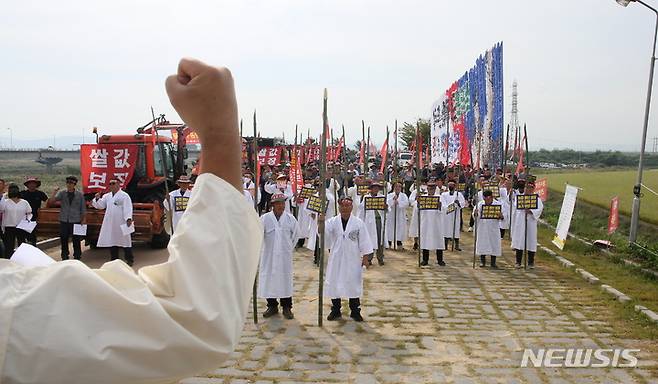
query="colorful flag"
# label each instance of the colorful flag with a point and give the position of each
(613, 220)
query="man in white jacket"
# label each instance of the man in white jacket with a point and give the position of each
(65, 323)
(524, 228)
(275, 273)
(349, 241)
(118, 213)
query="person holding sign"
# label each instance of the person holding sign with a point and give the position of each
(372, 213)
(396, 221)
(413, 202)
(452, 203)
(178, 199)
(282, 186)
(431, 224)
(314, 206)
(14, 210)
(304, 215)
(524, 224)
(506, 192)
(275, 272)
(349, 241)
(72, 212)
(118, 211)
(488, 215)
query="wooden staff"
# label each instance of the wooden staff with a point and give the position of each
(418, 187)
(344, 163)
(363, 143)
(504, 161)
(527, 154)
(395, 171)
(368, 150)
(385, 189)
(334, 158)
(255, 289)
(476, 213)
(527, 172)
(323, 198)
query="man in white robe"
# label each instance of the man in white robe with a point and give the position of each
(66, 323)
(374, 220)
(488, 231)
(118, 212)
(275, 272)
(349, 241)
(396, 217)
(524, 223)
(431, 229)
(352, 193)
(413, 222)
(303, 218)
(505, 201)
(178, 199)
(451, 221)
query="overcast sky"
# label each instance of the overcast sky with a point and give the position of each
(581, 65)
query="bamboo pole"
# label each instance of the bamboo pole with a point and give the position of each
(418, 187)
(323, 197)
(255, 288)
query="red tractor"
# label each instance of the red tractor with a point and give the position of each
(159, 164)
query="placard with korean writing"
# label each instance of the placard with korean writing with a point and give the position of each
(307, 192)
(180, 203)
(492, 211)
(100, 163)
(461, 187)
(374, 203)
(493, 187)
(526, 201)
(451, 208)
(315, 204)
(429, 202)
(362, 189)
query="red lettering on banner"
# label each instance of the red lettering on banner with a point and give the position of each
(191, 138)
(99, 163)
(541, 188)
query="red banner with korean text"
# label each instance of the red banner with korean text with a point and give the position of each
(541, 188)
(313, 153)
(100, 163)
(269, 155)
(192, 137)
(613, 220)
(296, 176)
(299, 151)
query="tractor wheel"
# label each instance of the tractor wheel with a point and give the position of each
(160, 241)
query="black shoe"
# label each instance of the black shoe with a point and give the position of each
(380, 261)
(287, 313)
(334, 315)
(441, 263)
(494, 266)
(271, 311)
(356, 316)
(423, 263)
(65, 258)
(458, 249)
(482, 265)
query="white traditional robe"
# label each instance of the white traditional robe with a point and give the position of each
(344, 277)
(519, 227)
(356, 199)
(179, 209)
(505, 202)
(413, 222)
(488, 233)
(66, 323)
(275, 272)
(452, 220)
(431, 228)
(118, 209)
(314, 220)
(398, 213)
(304, 220)
(369, 218)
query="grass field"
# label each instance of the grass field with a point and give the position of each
(599, 187)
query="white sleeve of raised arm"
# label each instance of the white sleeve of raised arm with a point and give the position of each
(67, 323)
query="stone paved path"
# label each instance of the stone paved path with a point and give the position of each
(450, 324)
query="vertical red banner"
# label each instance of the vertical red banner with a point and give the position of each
(541, 188)
(613, 220)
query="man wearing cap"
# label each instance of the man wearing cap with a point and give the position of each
(524, 217)
(373, 220)
(488, 231)
(178, 199)
(349, 241)
(452, 220)
(281, 186)
(275, 273)
(34, 197)
(352, 193)
(118, 211)
(396, 219)
(72, 211)
(431, 228)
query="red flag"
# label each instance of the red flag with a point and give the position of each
(339, 148)
(541, 188)
(296, 173)
(520, 167)
(613, 220)
(420, 145)
(383, 153)
(362, 153)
